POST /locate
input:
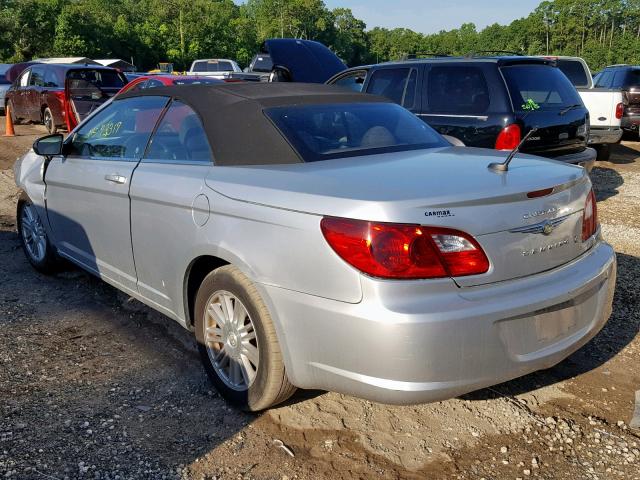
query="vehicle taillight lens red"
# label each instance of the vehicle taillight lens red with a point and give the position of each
(509, 138)
(619, 110)
(59, 95)
(589, 217)
(401, 251)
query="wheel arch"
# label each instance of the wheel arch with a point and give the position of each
(199, 268)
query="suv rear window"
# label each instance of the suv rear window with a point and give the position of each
(547, 86)
(98, 78)
(575, 72)
(262, 63)
(322, 132)
(457, 90)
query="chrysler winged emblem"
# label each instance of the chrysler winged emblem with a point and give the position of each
(545, 228)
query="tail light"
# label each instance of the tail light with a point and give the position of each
(619, 110)
(401, 251)
(589, 217)
(509, 137)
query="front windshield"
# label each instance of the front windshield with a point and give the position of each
(322, 132)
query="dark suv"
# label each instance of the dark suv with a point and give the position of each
(60, 95)
(627, 79)
(489, 102)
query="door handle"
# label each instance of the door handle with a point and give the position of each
(115, 179)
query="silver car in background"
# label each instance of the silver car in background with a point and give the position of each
(4, 84)
(313, 237)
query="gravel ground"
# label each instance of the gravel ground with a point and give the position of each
(94, 385)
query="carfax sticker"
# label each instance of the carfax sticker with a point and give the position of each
(439, 213)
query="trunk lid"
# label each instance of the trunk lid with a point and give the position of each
(543, 97)
(304, 60)
(448, 187)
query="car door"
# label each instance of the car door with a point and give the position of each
(169, 206)
(397, 83)
(87, 189)
(33, 93)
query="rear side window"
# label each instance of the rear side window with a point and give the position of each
(353, 81)
(397, 84)
(575, 72)
(120, 131)
(322, 132)
(179, 138)
(457, 90)
(546, 86)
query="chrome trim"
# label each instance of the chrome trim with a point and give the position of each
(479, 117)
(546, 227)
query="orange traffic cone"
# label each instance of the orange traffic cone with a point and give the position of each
(9, 131)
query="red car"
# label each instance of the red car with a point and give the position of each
(151, 81)
(61, 95)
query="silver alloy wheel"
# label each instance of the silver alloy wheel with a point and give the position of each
(48, 120)
(231, 341)
(33, 234)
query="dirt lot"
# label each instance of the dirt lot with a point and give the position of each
(95, 385)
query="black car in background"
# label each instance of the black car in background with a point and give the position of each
(627, 79)
(489, 102)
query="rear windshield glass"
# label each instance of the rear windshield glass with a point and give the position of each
(632, 79)
(322, 132)
(212, 66)
(262, 63)
(98, 78)
(547, 86)
(574, 71)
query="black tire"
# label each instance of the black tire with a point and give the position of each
(271, 385)
(49, 121)
(603, 152)
(49, 262)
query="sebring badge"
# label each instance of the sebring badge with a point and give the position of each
(539, 213)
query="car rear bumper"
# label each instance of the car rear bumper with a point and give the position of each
(425, 341)
(586, 158)
(599, 136)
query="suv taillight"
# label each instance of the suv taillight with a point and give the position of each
(509, 137)
(401, 251)
(619, 110)
(589, 217)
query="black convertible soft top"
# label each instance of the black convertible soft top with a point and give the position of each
(232, 115)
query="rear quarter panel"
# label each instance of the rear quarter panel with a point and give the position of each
(601, 103)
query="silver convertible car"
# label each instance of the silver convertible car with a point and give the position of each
(314, 237)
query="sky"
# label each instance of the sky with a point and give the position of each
(431, 16)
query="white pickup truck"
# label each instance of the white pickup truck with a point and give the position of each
(214, 67)
(605, 105)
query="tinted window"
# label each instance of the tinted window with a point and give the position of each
(262, 63)
(98, 78)
(546, 86)
(631, 79)
(179, 137)
(354, 81)
(575, 72)
(397, 84)
(37, 77)
(52, 78)
(120, 131)
(604, 79)
(457, 90)
(321, 132)
(212, 66)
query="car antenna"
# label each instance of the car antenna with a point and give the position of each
(504, 166)
(530, 106)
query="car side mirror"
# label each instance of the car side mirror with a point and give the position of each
(49, 146)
